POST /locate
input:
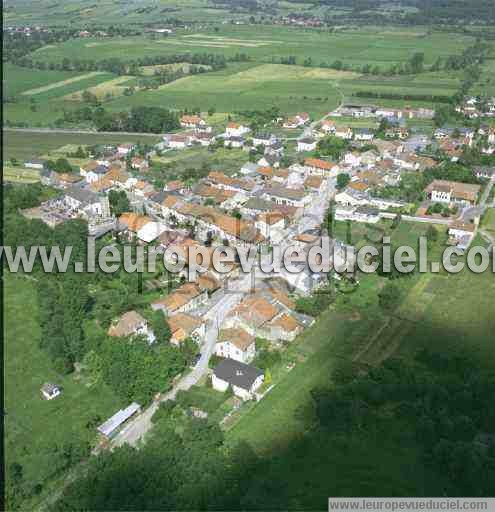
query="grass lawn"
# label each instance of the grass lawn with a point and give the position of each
(21, 175)
(488, 220)
(434, 314)
(35, 427)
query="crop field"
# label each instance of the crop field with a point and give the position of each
(110, 88)
(55, 85)
(20, 175)
(17, 80)
(265, 43)
(292, 88)
(184, 66)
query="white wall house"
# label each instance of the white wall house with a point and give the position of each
(244, 379)
(236, 344)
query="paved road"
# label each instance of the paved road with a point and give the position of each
(78, 132)
(133, 432)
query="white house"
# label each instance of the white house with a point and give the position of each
(306, 144)
(345, 133)
(236, 344)
(192, 121)
(243, 378)
(50, 391)
(124, 149)
(363, 134)
(318, 167)
(352, 158)
(34, 164)
(271, 225)
(360, 214)
(236, 130)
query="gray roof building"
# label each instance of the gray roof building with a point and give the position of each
(237, 374)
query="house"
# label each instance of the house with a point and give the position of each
(234, 142)
(244, 379)
(110, 427)
(287, 196)
(328, 126)
(236, 344)
(297, 120)
(269, 160)
(363, 134)
(315, 184)
(252, 314)
(192, 121)
(130, 223)
(319, 167)
(178, 141)
(185, 298)
(124, 149)
(344, 132)
(151, 231)
(264, 139)
(86, 203)
(34, 163)
(185, 326)
(50, 391)
(271, 225)
(249, 168)
(484, 172)
(175, 186)
(285, 327)
(236, 130)
(461, 234)
(352, 159)
(443, 191)
(205, 139)
(93, 172)
(360, 214)
(131, 324)
(139, 164)
(306, 144)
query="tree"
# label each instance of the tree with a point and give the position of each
(348, 234)
(343, 180)
(119, 203)
(390, 296)
(268, 377)
(160, 327)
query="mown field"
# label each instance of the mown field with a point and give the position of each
(39, 433)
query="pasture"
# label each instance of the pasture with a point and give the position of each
(38, 431)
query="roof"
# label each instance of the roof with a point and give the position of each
(133, 221)
(208, 282)
(82, 195)
(270, 218)
(313, 182)
(179, 297)
(118, 418)
(191, 119)
(151, 231)
(49, 388)
(182, 325)
(238, 337)
(462, 226)
(287, 322)
(319, 164)
(237, 374)
(289, 193)
(459, 190)
(127, 324)
(255, 310)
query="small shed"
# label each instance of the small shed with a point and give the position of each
(50, 391)
(109, 427)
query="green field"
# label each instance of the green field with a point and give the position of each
(264, 43)
(38, 431)
(24, 145)
(433, 315)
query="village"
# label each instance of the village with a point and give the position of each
(297, 173)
